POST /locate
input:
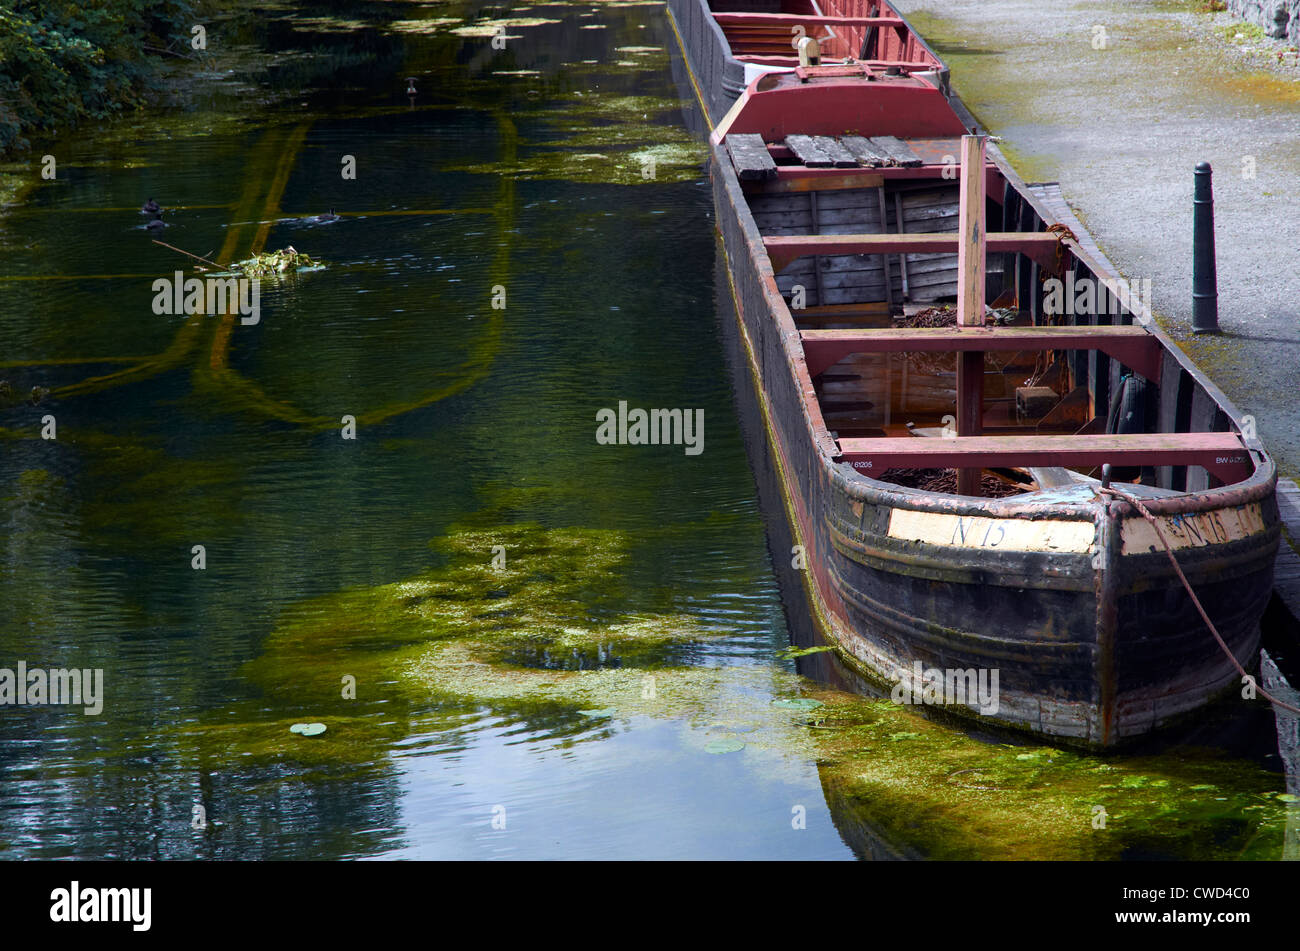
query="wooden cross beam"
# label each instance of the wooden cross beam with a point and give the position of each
(784, 249)
(1132, 345)
(1222, 454)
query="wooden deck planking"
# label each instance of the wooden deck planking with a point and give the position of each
(1286, 571)
(752, 160)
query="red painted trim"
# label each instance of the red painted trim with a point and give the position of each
(1130, 345)
(1221, 453)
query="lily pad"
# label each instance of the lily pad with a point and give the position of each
(728, 745)
(308, 729)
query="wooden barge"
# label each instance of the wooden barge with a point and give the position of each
(941, 465)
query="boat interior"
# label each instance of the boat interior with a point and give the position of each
(862, 234)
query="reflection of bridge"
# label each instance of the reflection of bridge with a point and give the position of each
(266, 174)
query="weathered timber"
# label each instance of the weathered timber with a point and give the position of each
(840, 156)
(899, 152)
(1286, 575)
(1131, 345)
(786, 248)
(749, 155)
(808, 151)
(862, 149)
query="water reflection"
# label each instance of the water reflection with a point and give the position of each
(179, 433)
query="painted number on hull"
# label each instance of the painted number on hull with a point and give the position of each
(967, 533)
(1004, 534)
(1195, 529)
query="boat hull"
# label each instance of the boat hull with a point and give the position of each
(1074, 604)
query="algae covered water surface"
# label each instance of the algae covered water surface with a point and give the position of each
(520, 642)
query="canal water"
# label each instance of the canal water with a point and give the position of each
(383, 506)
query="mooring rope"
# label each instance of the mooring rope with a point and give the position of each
(1142, 509)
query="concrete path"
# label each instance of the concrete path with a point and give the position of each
(1121, 128)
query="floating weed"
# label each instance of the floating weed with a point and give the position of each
(891, 775)
(430, 26)
(284, 261)
(483, 29)
(441, 648)
(328, 24)
(598, 137)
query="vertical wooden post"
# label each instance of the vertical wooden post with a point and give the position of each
(970, 300)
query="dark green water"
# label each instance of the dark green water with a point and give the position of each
(609, 297)
(580, 692)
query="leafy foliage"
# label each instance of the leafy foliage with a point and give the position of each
(277, 262)
(62, 62)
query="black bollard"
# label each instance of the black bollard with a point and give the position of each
(1205, 281)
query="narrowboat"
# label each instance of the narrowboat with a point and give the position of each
(992, 459)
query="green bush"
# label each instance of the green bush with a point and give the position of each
(62, 62)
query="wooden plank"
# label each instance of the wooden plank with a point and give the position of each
(783, 249)
(864, 152)
(884, 258)
(970, 300)
(1202, 418)
(900, 221)
(972, 232)
(839, 155)
(817, 263)
(1286, 572)
(807, 151)
(752, 160)
(1221, 453)
(1131, 345)
(899, 152)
